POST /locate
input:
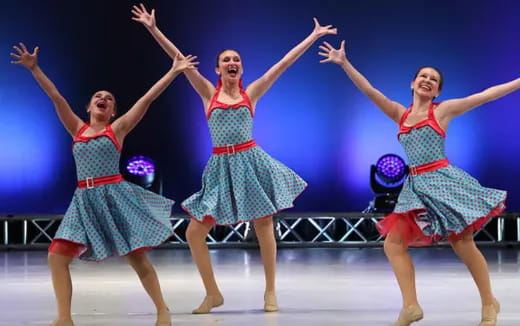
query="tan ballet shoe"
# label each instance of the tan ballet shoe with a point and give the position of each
(164, 318)
(409, 315)
(209, 302)
(62, 322)
(490, 314)
(270, 302)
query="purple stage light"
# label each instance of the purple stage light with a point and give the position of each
(391, 168)
(140, 166)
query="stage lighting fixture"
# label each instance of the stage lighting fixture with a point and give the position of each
(141, 171)
(386, 180)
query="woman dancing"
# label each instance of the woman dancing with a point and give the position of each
(241, 182)
(108, 216)
(438, 201)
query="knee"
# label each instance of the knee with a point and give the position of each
(265, 223)
(195, 232)
(140, 264)
(394, 244)
(56, 260)
(463, 241)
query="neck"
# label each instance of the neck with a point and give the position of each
(231, 88)
(97, 124)
(421, 103)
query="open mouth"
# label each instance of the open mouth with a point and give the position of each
(101, 105)
(425, 87)
(232, 70)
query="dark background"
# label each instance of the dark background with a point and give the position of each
(313, 119)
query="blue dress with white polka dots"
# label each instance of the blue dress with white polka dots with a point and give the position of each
(441, 204)
(116, 218)
(245, 185)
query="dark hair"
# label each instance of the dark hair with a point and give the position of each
(441, 82)
(220, 53)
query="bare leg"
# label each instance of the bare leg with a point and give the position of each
(265, 234)
(144, 269)
(402, 264)
(62, 283)
(196, 235)
(397, 253)
(468, 252)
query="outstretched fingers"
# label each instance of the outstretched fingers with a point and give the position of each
(191, 64)
(17, 57)
(327, 50)
(329, 47)
(20, 52)
(143, 8)
(328, 58)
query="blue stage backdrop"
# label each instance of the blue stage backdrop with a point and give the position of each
(313, 119)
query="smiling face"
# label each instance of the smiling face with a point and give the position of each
(102, 105)
(427, 82)
(229, 65)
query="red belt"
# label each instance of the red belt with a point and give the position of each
(428, 167)
(94, 182)
(232, 149)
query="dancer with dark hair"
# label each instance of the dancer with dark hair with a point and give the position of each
(108, 216)
(241, 182)
(438, 201)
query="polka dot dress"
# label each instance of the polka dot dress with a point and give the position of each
(245, 185)
(116, 218)
(440, 204)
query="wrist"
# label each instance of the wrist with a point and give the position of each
(314, 37)
(152, 29)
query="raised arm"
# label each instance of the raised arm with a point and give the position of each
(30, 61)
(452, 108)
(391, 108)
(129, 120)
(257, 88)
(202, 86)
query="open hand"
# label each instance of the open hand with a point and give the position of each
(183, 63)
(144, 17)
(331, 54)
(24, 57)
(320, 31)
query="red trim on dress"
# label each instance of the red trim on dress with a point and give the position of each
(94, 182)
(107, 132)
(405, 225)
(428, 167)
(209, 219)
(430, 121)
(232, 149)
(214, 104)
(68, 248)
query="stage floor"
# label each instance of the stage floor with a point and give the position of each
(315, 287)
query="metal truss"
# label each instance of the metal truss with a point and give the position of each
(350, 229)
